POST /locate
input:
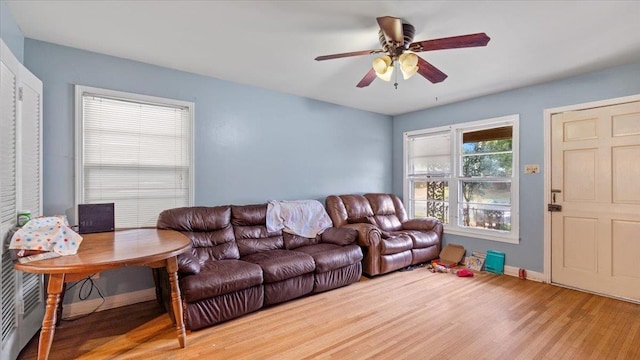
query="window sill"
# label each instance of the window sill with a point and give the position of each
(484, 235)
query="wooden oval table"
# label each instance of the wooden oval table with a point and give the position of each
(110, 250)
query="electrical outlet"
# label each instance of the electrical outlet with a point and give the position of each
(532, 169)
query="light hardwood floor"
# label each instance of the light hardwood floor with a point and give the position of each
(403, 315)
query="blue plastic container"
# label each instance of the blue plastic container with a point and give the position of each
(494, 262)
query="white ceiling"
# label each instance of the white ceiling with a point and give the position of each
(272, 44)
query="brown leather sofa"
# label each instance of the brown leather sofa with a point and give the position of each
(389, 240)
(235, 266)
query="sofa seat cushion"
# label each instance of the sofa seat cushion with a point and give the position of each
(218, 278)
(329, 257)
(423, 239)
(395, 244)
(278, 265)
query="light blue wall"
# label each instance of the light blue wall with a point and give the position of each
(251, 144)
(530, 102)
(10, 32)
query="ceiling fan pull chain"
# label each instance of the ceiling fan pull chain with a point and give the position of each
(395, 65)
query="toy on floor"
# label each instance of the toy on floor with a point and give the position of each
(464, 273)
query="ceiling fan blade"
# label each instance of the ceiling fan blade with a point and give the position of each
(367, 79)
(454, 42)
(354, 53)
(392, 29)
(429, 71)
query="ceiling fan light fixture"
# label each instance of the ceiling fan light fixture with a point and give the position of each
(386, 76)
(408, 64)
(409, 59)
(408, 73)
(383, 67)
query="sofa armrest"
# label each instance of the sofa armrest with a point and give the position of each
(370, 240)
(368, 235)
(339, 236)
(188, 264)
(422, 224)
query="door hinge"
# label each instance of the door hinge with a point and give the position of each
(20, 93)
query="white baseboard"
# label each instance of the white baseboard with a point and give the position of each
(85, 307)
(514, 271)
(531, 275)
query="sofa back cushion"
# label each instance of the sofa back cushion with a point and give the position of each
(349, 209)
(389, 213)
(336, 210)
(250, 229)
(292, 241)
(339, 236)
(209, 229)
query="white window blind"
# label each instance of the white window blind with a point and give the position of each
(428, 172)
(136, 154)
(429, 154)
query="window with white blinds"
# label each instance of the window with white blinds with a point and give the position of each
(428, 173)
(466, 176)
(134, 151)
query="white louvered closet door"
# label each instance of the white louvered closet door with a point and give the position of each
(21, 300)
(9, 67)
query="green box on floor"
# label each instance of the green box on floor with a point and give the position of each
(494, 262)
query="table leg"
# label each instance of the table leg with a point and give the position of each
(54, 289)
(176, 301)
(59, 308)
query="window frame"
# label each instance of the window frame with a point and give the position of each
(456, 133)
(80, 90)
(438, 177)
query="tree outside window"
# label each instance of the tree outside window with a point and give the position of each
(485, 182)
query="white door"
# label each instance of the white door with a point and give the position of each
(595, 165)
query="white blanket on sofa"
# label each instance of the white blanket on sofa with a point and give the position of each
(305, 218)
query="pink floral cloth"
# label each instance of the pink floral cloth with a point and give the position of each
(47, 234)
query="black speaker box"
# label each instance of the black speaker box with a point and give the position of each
(95, 218)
